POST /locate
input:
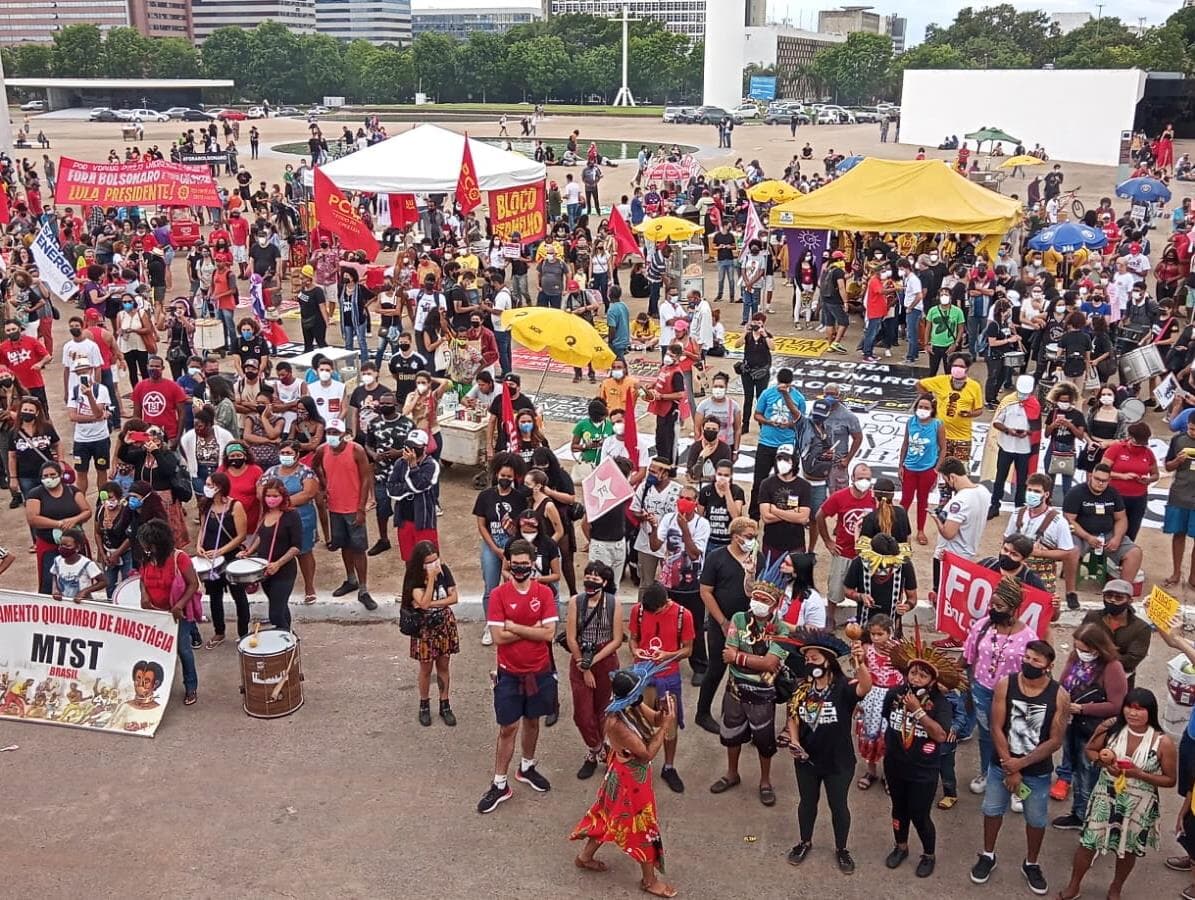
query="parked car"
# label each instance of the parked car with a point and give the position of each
(679, 114)
(147, 115)
(745, 111)
(228, 115)
(784, 113)
(318, 110)
(105, 115)
(34, 106)
(255, 112)
(709, 115)
(196, 115)
(184, 229)
(835, 115)
(288, 111)
(865, 113)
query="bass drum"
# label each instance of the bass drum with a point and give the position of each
(271, 674)
(128, 593)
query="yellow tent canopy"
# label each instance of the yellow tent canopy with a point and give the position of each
(924, 196)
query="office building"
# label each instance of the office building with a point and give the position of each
(446, 17)
(37, 21)
(687, 17)
(162, 18)
(851, 19)
(790, 51)
(209, 15)
(376, 21)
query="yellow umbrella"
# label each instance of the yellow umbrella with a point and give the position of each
(725, 173)
(569, 339)
(772, 191)
(1023, 160)
(668, 228)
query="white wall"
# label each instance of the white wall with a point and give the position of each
(726, 34)
(1076, 115)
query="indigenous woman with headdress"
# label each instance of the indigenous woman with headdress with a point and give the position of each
(818, 733)
(881, 579)
(917, 719)
(624, 812)
(869, 726)
(886, 518)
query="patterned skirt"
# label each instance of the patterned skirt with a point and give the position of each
(869, 725)
(1124, 823)
(176, 517)
(438, 637)
(624, 813)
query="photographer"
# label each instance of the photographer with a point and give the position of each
(593, 632)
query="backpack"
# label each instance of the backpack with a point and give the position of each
(637, 616)
(817, 456)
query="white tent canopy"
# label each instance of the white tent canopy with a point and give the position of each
(427, 159)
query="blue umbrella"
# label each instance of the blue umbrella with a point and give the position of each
(847, 164)
(1143, 190)
(1067, 238)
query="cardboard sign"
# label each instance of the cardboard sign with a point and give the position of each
(966, 590)
(1161, 608)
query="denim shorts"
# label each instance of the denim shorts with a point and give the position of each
(996, 797)
(512, 702)
(1179, 521)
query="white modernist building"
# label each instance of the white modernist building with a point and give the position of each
(1100, 105)
(723, 82)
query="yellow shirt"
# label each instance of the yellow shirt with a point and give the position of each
(613, 392)
(541, 252)
(1052, 259)
(469, 262)
(643, 332)
(952, 403)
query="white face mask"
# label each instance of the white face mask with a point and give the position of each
(719, 393)
(1064, 405)
(783, 466)
(887, 273)
(325, 376)
(334, 440)
(1087, 656)
(286, 460)
(922, 414)
(760, 609)
(944, 300)
(1105, 400)
(958, 373)
(669, 360)
(1033, 499)
(368, 379)
(618, 374)
(529, 536)
(863, 485)
(933, 257)
(421, 388)
(619, 428)
(210, 491)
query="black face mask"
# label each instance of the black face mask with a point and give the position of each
(711, 434)
(388, 410)
(506, 483)
(1000, 617)
(521, 572)
(592, 588)
(1031, 671)
(28, 417)
(1114, 609)
(1007, 563)
(76, 332)
(404, 347)
(13, 336)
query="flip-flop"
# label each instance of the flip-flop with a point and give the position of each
(662, 889)
(722, 785)
(947, 802)
(309, 599)
(190, 699)
(593, 865)
(767, 796)
(866, 780)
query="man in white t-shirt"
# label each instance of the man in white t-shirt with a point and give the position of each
(701, 325)
(425, 299)
(961, 519)
(501, 302)
(572, 200)
(613, 447)
(1053, 541)
(87, 406)
(327, 392)
(80, 346)
(652, 501)
(914, 304)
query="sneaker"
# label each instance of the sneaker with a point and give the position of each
(896, 857)
(15, 501)
(1072, 600)
(425, 716)
(1069, 822)
(551, 719)
(697, 679)
(846, 862)
(1179, 863)
(367, 601)
(1059, 789)
(1033, 875)
(380, 547)
(797, 854)
(979, 784)
(533, 778)
(494, 796)
(982, 870)
(887, 353)
(1016, 804)
(487, 639)
(925, 866)
(672, 778)
(706, 721)
(946, 643)
(587, 768)
(346, 588)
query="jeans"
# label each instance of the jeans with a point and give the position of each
(750, 305)
(1067, 481)
(600, 282)
(548, 300)
(1005, 461)
(995, 379)
(186, 654)
(384, 341)
(937, 357)
(118, 573)
(725, 271)
(912, 321)
(752, 388)
(981, 697)
(354, 338)
(519, 291)
(1078, 770)
(1134, 508)
(592, 204)
(114, 414)
(977, 340)
(653, 298)
(574, 213)
(949, 779)
(871, 331)
(715, 642)
(230, 328)
(277, 588)
(809, 786)
(491, 573)
(502, 338)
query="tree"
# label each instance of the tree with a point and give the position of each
(543, 60)
(225, 53)
(857, 69)
(324, 71)
(485, 75)
(173, 57)
(435, 58)
(273, 52)
(390, 77)
(125, 53)
(77, 52)
(998, 37)
(28, 61)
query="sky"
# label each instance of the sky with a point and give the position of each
(803, 13)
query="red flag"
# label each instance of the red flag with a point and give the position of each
(624, 238)
(5, 216)
(341, 218)
(468, 192)
(630, 432)
(403, 210)
(508, 419)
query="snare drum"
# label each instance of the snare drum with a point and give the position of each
(1053, 353)
(248, 572)
(208, 569)
(1138, 365)
(1014, 359)
(271, 673)
(209, 335)
(128, 593)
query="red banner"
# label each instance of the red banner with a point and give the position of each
(404, 210)
(134, 184)
(519, 209)
(964, 594)
(468, 192)
(341, 218)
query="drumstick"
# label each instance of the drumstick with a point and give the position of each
(285, 675)
(253, 637)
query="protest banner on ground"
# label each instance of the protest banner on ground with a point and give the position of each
(152, 183)
(966, 589)
(85, 665)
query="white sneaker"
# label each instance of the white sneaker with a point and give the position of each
(1017, 804)
(887, 352)
(979, 784)
(486, 638)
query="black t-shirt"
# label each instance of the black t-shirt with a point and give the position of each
(1073, 345)
(901, 530)
(611, 526)
(520, 402)
(254, 349)
(723, 573)
(1094, 514)
(311, 302)
(264, 258)
(825, 725)
(365, 400)
(1063, 440)
(457, 299)
(494, 507)
(33, 452)
(909, 750)
(725, 245)
(1000, 332)
(702, 469)
(880, 585)
(834, 275)
(785, 495)
(56, 508)
(404, 368)
(717, 514)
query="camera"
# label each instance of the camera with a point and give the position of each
(587, 653)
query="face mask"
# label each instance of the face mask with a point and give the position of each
(422, 388)
(128, 307)
(111, 504)
(958, 373)
(933, 257)
(618, 374)
(368, 379)
(817, 671)
(1033, 499)
(1064, 405)
(760, 609)
(719, 393)
(247, 334)
(1031, 671)
(593, 587)
(210, 491)
(1114, 609)
(944, 300)
(1021, 395)
(1000, 617)
(1106, 400)
(193, 371)
(28, 416)
(862, 485)
(404, 347)
(521, 572)
(922, 414)
(273, 501)
(1087, 656)
(334, 440)
(783, 466)
(747, 545)
(619, 428)
(135, 502)
(263, 241)
(235, 462)
(286, 459)
(76, 332)
(325, 376)
(52, 482)
(1007, 563)
(669, 360)
(526, 427)
(686, 506)
(711, 434)
(887, 273)
(251, 374)
(68, 553)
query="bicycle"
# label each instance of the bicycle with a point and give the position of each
(1078, 210)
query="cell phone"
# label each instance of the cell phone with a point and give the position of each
(138, 437)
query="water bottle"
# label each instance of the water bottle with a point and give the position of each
(1099, 551)
(449, 404)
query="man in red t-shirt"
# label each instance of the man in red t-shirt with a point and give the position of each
(850, 505)
(522, 619)
(238, 227)
(159, 401)
(661, 629)
(876, 309)
(26, 357)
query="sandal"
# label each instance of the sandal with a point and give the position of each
(947, 802)
(722, 785)
(1062, 896)
(922, 539)
(866, 780)
(592, 865)
(309, 599)
(767, 796)
(190, 698)
(214, 642)
(1171, 581)
(658, 889)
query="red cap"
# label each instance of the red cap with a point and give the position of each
(572, 285)
(837, 254)
(92, 315)
(1134, 247)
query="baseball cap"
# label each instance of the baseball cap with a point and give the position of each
(1118, 586)
(572, 286)
(821, 409)
(837, 254)
(80, 364)
(92, 315)
(681, 326)
(335, 425)
(785, 450)
(417, 437)
(1134, 247)
(1025, 384)
(309, 271)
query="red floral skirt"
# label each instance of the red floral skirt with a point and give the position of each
(624, 813)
